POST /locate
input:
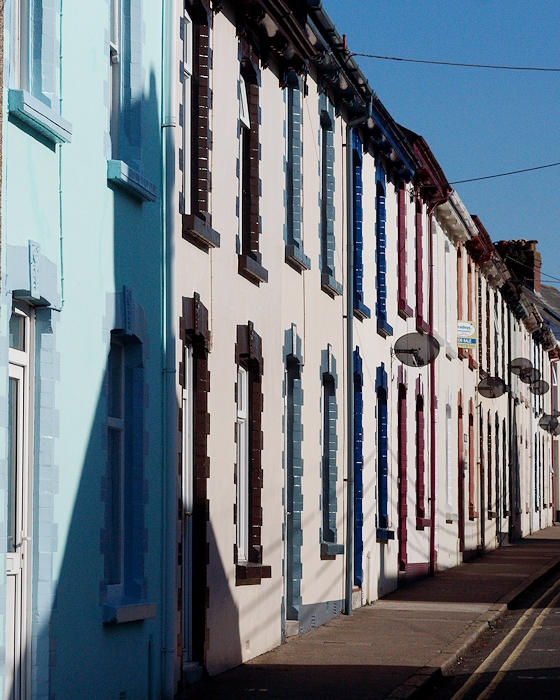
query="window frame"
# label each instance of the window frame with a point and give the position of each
(249, 155)
(383, 327)
(243, 465)
(249, 569)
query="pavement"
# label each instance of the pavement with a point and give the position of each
(392, 648)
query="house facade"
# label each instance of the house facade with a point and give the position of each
(260, 365)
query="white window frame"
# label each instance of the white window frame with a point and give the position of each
(447, 276)
(244, 133)
(243, 465)
(115, 74)
(20, 44)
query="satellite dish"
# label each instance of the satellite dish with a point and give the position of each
(519, 365)
(539, 387)
(416, 349)
(549, 423)
(523, 369)
(531, 376)
(491, 387)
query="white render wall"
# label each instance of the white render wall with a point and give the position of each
(245, 621)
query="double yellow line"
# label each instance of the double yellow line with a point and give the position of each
(508, 663)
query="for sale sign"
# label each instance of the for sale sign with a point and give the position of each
(466, 334)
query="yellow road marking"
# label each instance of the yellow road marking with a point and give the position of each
(489, 660)
(508, 663)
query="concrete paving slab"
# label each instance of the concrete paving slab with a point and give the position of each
(393, 647)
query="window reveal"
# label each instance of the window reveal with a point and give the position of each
(250, 257)
(249, 473)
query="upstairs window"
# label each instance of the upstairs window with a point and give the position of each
(126, 87)
(326, 197)
(383, 327)
(421, 320)
(294, 174)
(195, 117)
(35, 57)
(404, 310)
(250, 257)
(361, 311)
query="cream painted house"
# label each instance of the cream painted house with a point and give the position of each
(309, 233)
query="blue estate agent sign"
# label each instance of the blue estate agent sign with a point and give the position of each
(466, 334)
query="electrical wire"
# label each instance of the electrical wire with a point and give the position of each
(530, 267)
(511, 172)
(451, 63)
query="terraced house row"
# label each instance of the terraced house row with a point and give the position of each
(259, 363)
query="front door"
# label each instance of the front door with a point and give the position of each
(18, 486)
(187, 499)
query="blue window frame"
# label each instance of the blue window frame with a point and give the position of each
(293, 464)
(358, 469)
(361, 311)
(383, 327)
(294, 189)
(326, 198)
(383, 532)
(329, 470)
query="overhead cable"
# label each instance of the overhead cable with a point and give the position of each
(511, 172)
(462, 65)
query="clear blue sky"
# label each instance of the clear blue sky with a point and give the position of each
(477, 122)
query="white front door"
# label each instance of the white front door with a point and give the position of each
(18, 486)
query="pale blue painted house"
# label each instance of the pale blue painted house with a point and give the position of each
(81, 374)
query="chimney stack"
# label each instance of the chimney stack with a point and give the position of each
(523, 260)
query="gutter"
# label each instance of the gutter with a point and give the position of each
(349, 573)
(350, 516)
(356, 78)
(168, 389)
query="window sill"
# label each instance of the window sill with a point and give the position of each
(116, 613)
(251, 574)
(330, 285)
(421, 523)
(422, 325)
(197, 231)
(251, 269)
(404, 310)
(361, 311)
(130, 180)
(297, 259)
(39, 116)
(451, 518)
(473, 364)
(383, 328)
(331, 549)
(492, 514)
(383, 535)
(451, 353)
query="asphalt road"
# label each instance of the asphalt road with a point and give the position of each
(517, 660)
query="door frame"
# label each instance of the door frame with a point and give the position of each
(20, 368)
